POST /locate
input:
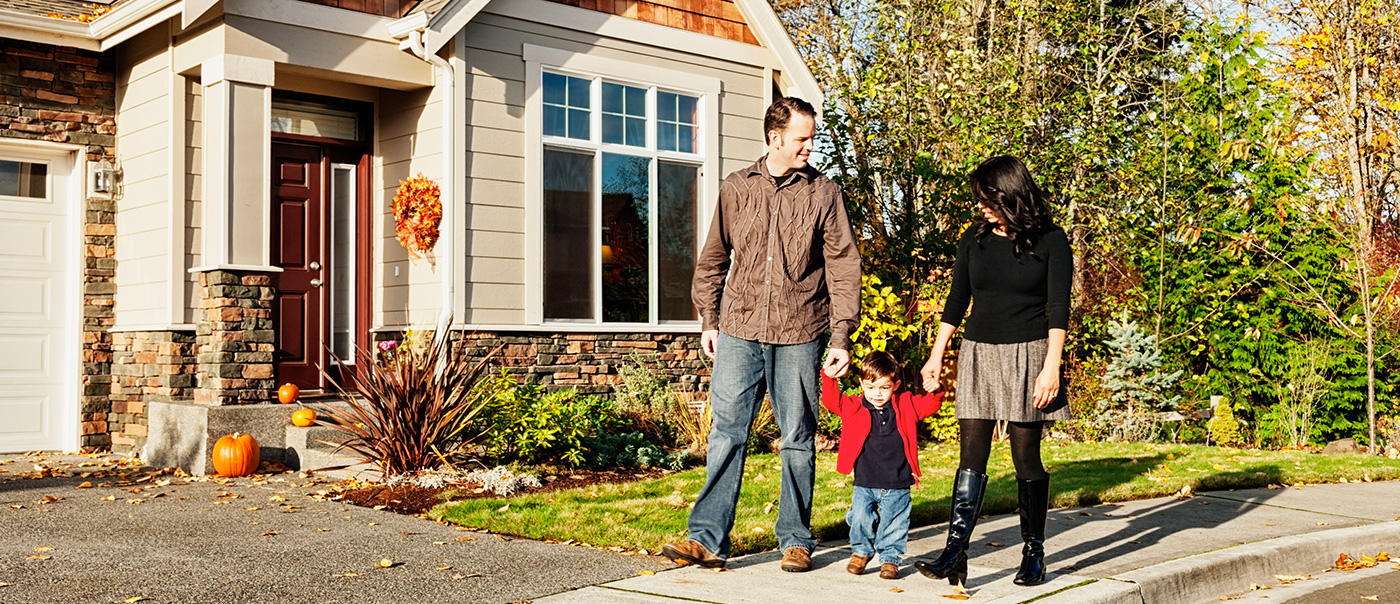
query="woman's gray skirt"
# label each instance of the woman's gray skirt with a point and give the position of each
(997, 381)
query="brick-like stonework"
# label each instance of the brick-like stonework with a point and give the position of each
(588, 362)
(147, 367)
(99, 267)
(236, 339)
(59, 94)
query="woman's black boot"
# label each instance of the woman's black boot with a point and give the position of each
(968, 488)
(1034, 498)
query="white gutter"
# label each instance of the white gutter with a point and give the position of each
(98, 35)
(411, 28)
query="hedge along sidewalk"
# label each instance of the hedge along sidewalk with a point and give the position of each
(645, 514)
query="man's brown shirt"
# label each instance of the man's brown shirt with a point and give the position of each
(780, 263)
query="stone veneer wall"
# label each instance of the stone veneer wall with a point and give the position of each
(235, 339)
(147, 367)
(62, 94)
(588, 362)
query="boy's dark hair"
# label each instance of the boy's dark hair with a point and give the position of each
(878, 364)
(780, 113)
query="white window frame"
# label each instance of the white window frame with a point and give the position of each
(539, 59)
(350, 272)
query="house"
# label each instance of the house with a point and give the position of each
(195, 196)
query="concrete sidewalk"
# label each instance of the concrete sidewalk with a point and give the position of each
(1157, 551)
(134, 533)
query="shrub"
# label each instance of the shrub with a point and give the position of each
(412, 409)
(533, 426)
(1224, 428)
(1137, 384)
(631, 450)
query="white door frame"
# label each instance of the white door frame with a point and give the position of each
(67, 415)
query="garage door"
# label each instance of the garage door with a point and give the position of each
(38, 325)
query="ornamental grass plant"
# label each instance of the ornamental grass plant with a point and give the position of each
(414, 408)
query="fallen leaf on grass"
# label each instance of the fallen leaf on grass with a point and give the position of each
(503, 508)
(768, 507)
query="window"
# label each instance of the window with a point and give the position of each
(620, 179)
(23, 179)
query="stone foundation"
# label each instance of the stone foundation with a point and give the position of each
(147, 367)
(236, 339)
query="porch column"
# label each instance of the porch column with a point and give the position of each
(237, 161)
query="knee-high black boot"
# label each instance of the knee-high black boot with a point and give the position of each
(1034, 499)
(968, 488)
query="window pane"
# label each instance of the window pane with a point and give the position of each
(578, 93)
(636, 132)
(293, 118)
(612, 98)
(342, 265)
(612, 128)
(686, 111)
(555, 121)
(685, 139)
(554, 89)
(666, 137)
(666, 106)
(625, 228)
(23, 179)
(568, 230)
(636, 102)
(578, 124)
(677, 210)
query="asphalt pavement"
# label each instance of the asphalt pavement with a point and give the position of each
(132, 534)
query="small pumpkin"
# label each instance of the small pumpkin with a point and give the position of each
(303, 418)
(236, 455)
(288, 393)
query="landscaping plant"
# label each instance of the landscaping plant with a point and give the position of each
(413, 409)
(533, 426)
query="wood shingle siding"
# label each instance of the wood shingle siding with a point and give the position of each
(719, 18)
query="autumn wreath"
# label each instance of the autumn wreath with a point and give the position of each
(417, 214)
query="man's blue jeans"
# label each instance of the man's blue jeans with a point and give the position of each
(743, 372)
(879, 521)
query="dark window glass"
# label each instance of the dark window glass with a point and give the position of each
(568, 230)
(677, 203)
(626, 238)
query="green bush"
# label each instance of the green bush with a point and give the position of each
(533, 426)
(630, 450)
(1224, 428)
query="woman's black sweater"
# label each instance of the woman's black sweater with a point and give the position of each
(1018, 300)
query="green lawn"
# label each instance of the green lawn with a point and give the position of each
(645, 514)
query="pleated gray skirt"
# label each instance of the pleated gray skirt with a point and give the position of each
(997, 381)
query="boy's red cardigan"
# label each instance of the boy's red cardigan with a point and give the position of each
(855, 422)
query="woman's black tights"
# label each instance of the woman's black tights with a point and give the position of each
(975, 438)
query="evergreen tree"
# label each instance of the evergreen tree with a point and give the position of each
(1224, 428)
(1138, 386)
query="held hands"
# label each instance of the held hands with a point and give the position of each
(932, 373)
(1047, 387)
(837, 362)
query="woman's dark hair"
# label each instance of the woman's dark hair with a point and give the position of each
(878, 364)
(1003, 184)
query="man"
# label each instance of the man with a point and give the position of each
(778, 268)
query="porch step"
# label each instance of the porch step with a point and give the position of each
(315, 448)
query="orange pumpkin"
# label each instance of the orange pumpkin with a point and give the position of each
(236, 455)
(288, 393)
(303, 418)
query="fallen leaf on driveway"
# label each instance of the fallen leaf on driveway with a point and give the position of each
(135, 600)
(349, 575)
(85, 485)
(996, 544)
(445, 567)
(385, 563)
(4, 584)
(39, 558)
(646, 572)
(1370, 598)
(1286, 579)
(1257, 587)
(270, 533)
(896, 590)
(466, 538)
(43, 549)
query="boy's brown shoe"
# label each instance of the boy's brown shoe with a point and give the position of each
(889, 570)
(796, 560)
(857, 564)
(691, 552)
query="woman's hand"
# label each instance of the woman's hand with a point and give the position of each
(1047, 387)
(932, 372)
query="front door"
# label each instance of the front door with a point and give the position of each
(298, 248)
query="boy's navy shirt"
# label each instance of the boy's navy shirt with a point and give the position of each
(882, 463)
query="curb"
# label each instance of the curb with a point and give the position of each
(1206, 577)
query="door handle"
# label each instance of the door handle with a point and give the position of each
(316, 282)
(315, 266)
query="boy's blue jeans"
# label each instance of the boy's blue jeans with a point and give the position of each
(879, 521)
(744, 370)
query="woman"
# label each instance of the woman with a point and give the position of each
(1016, 264)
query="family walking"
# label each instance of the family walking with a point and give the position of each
(780, 268)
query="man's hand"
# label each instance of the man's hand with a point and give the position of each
(708, 338)
(837, 362)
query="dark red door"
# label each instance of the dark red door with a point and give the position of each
(298, 248)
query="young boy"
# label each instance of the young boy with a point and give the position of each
(879, 444)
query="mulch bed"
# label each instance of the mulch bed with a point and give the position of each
(415, 500)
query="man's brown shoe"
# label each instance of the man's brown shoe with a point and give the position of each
(796, 560)
(691, 552)
(857, 564)
(889, 570)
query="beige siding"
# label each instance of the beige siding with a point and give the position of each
(495, 142)
(409, 143)
(194, 189)
(143, 211)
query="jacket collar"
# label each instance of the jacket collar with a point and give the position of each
(807, 172)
